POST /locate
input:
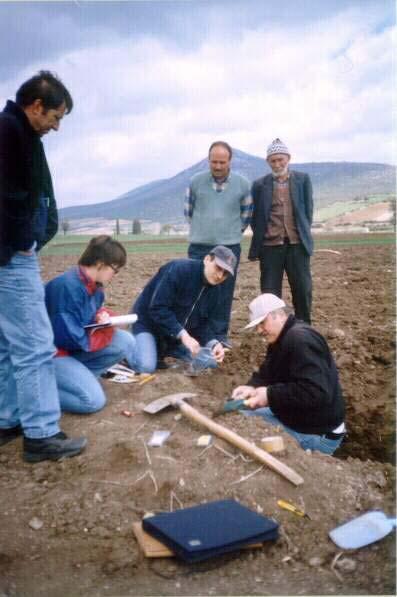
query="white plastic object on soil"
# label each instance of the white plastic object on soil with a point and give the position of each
(363, 530)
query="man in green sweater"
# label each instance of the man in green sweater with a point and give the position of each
(218, 207)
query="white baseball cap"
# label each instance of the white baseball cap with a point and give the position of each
(261, 307)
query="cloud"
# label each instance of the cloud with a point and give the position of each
(148, 106)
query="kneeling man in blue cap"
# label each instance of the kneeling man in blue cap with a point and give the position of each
(180, 312)
(297, 385)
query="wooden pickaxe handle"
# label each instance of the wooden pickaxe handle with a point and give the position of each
(239, 442)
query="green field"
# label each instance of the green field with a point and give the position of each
(75, 244)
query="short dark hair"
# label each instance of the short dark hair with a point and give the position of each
(221, 144)
(105, 249)
(46, 87)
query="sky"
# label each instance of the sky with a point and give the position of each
(155, 82)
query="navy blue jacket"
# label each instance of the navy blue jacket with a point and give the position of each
(178, 297)
(302, 201)
(24, 181)
(302, 381)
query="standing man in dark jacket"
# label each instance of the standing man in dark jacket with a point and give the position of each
(281, 222)
(297, 385)
(29, 402)
(180, 311)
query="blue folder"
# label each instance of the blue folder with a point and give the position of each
(210, 529)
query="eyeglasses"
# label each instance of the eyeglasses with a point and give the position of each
(115, 269)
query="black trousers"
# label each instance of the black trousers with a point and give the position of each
(295, 261)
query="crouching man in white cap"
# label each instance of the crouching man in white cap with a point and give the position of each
(297, 385)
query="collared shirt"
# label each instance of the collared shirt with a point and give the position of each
(282, 225)
(246, 203)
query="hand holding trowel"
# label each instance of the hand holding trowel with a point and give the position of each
(239, 400)
(230, 406)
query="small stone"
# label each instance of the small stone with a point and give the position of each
(316, 561)
(258, 579)
(336, 333)
(98, 497)
(339, 333)
(346, 564)
(181, 483)
(178, 417)
(204, 441)
(36, 523)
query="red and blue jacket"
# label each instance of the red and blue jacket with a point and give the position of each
(73, 300)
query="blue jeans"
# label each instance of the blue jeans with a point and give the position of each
(307, 441)
(28, 390)
(198, 251)
(79, 388)
(146, 354)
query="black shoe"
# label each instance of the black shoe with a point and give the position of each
(52, 448)
(7, 435)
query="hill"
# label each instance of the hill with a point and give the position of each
(162, 200)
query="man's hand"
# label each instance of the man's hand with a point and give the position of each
(243, 392)
(218, 352)
(258, 399)
(190, 343)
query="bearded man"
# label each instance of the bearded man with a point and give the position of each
(281, 222)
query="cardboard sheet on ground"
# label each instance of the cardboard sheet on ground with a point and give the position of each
(152, 548)
(210, 529)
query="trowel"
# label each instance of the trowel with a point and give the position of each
(363, 530)
(230, 406)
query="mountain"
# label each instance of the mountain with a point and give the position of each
(162, 200)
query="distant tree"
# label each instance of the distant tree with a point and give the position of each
(65, 226)
(166, 229)
(136, 227)
(117, 228)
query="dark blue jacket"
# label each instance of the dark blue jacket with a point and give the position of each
(176, 298)
(25, 181)
(302, 201)
(72, 301)
(302, 381)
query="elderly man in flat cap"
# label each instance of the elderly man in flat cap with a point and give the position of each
(281, 222)
(297, 385)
